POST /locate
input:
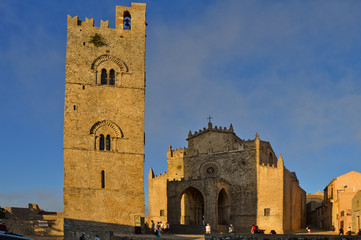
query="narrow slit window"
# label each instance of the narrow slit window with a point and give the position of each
(127, 21)
(267, 211)
(108, 143)
(103, 178)
(111, 77)
(101, 142)
(104, 77)
(270, 159)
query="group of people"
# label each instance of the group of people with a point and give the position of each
(254, 229)
(341, 231)
(208, 228)
(159, 229)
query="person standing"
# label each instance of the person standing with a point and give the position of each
(97, 237)
(253, 228)
(152, 226)
(82, 237)
(167, 227)
(208, 229)
(349, 231)
(158, 232)
(333, 230)
(230, 228)
(162, 226)
(341, 231)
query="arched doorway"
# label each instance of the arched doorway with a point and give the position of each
(192, 207)
(223, 208)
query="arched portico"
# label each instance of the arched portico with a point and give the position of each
(223, 207)
(192, 207)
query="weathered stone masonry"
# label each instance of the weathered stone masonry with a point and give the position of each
(221, 179)
(104, 123)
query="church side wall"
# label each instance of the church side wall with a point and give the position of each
(157, 192)
(270, 198)
(294, 204)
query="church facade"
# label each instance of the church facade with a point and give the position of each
(221, 179)
(218, 179)
(104, 123)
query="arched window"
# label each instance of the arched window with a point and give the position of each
(270, 159)
(112, 77)
(103, 178)
(108, 143)
(104, 77)
(101, 142)
(127, 22)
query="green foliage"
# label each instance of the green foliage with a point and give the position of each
(98, 40)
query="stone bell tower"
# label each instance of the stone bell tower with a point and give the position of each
(104, 123)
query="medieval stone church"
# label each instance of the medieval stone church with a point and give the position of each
(219, 179)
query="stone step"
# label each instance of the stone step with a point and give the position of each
(187, 229)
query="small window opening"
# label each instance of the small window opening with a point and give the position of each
(104, 77)
(161, 213)
(74, 107)
(112, 77)
(83, 43)
(108, 143)
(101, 142)
(103, 178)
(127, 21)
(267, 211)
(83, 87)
(270, 159)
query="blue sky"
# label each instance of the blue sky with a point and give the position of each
(289, 70)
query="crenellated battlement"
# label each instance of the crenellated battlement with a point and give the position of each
(211, 128)
(89, 22)
(268, 165)
(161, 175)
(127, 18)
(186, 179)
(180, 152)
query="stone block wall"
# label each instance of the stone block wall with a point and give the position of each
(104, 122)
(157, 192)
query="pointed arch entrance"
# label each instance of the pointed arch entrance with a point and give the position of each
(223, 208)
(192, 207)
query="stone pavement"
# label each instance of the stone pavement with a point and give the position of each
(164, 237)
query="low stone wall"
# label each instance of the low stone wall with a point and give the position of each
(236, 236)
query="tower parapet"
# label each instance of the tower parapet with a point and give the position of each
(212, 129)
(127, 18)
(180, 152)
